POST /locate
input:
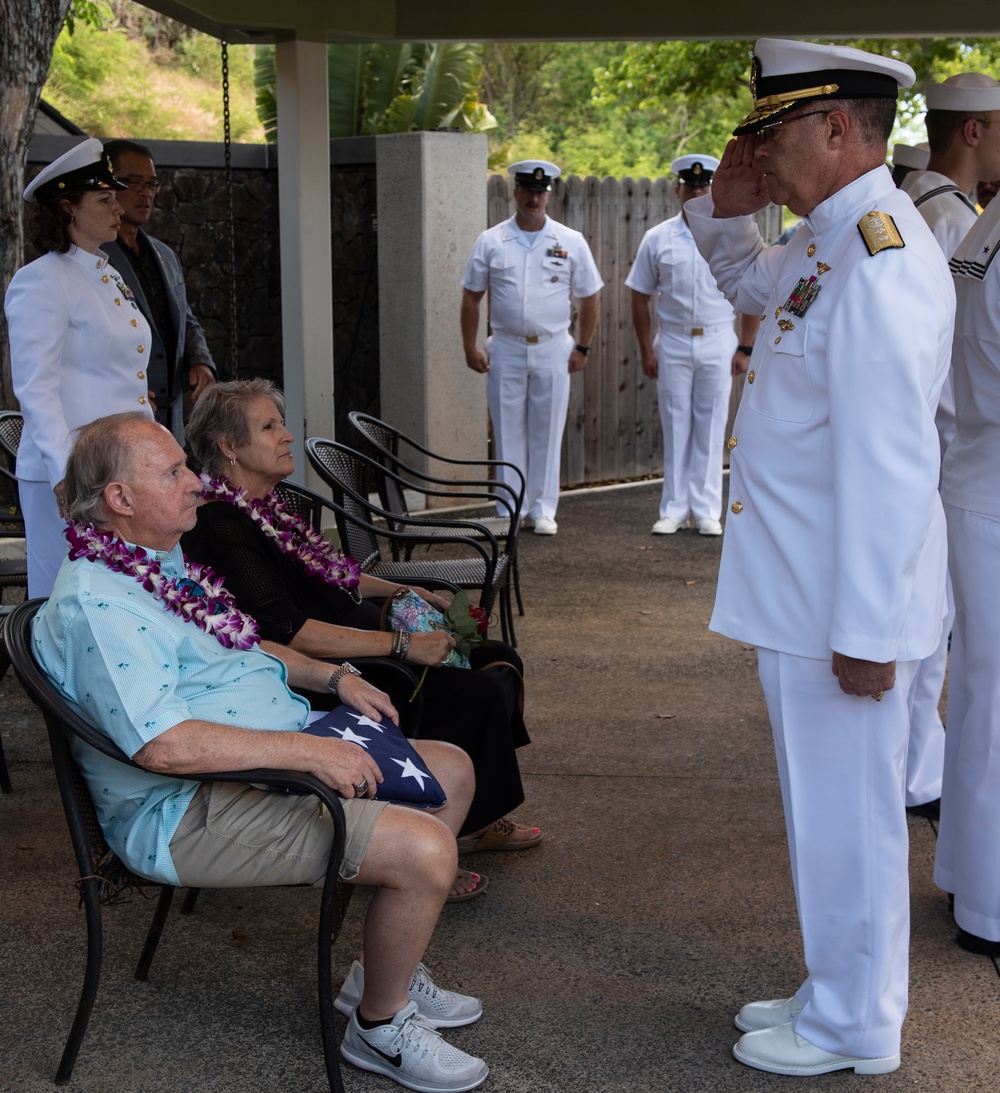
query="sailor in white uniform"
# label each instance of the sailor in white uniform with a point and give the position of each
(968, 847)
(834, 555)
(531, 266)
(78, 342)
(693, 356)
(964, 148)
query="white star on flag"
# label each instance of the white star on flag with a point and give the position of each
(364, 722)
(352, 737)
(410, 771)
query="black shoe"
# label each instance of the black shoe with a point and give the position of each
(930, 809)
(979, 945)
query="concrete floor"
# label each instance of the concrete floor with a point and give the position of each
(612, 958)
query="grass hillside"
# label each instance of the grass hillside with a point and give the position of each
(141, 75)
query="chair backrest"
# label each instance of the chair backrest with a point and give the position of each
(303, 503)
(346, 473)
(11, 424)
(11, 517)
(383, 441)
(93, 856)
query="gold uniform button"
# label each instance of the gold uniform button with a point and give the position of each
(142, 400)
(777, 339)
(751, 376)
(118, 302)
(135, 322)
(737, 507)
(141, 375)
(731, 443)
(140, 349)
(553, 279)
(105, 278)
(811, 250)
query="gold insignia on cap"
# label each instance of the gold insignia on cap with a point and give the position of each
(754, 75)
(539, 173)
(879, 232)
(107, 160)
(696, 168)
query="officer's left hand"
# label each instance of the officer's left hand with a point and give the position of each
(741, 362)
(576, 361)
(865, 678)
(199, 378)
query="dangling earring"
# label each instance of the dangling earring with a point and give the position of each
(232, 460)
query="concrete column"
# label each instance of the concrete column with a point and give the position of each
(306, 254)
(431, 208)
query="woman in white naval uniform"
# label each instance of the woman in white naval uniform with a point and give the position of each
(78, 341)
(531, 266)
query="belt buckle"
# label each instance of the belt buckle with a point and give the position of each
(697, 331)
(532, 339)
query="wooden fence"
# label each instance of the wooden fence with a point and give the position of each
(613, 430)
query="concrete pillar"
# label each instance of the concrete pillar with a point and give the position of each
(431, 208)
(306, 253)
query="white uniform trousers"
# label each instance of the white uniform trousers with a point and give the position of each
(968, 846)
(841, 764)
(925, 753)
(692, 388)
(527, 390)
(43, 532)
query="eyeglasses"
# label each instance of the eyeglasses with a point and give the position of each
(762, 135)
(140, 184)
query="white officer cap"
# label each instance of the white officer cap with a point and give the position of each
(787, 74)
(694, 170)
(83, 167)
(968, 92)
(534, 174)
(913, 156)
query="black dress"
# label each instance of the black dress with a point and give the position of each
(479, 711)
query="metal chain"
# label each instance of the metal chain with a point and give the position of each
(233, 361)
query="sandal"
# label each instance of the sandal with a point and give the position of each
(465, 877)
(498, 837)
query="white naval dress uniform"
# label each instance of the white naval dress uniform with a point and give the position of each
(950, 215)
(968, 847)
(78, 351)
(531, 277)
(835, 542)
(695, 342)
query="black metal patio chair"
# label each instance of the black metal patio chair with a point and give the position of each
(13, 574)
(363, 525)
(11, 424)
(103, 874)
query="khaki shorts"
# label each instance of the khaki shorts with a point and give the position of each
(235, 836)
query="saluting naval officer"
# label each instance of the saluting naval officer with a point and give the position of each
(531, 266)
(834, 554)
(693, 356)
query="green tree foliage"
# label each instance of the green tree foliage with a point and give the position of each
(390, 88)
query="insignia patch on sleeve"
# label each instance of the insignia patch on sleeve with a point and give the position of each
(879, 232)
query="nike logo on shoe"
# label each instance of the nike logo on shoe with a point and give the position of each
(396, 1060)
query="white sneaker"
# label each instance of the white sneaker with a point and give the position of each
(438, 1007)
(412, 1053)
(667, 526)
(545, 525)
(709, 527)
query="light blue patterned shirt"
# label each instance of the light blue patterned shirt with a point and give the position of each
(135, 670)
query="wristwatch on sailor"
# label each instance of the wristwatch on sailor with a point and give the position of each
(584, 349)
(346, 669)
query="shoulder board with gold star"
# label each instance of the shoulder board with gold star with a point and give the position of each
(879, 232)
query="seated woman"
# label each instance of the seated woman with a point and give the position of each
(311, 598)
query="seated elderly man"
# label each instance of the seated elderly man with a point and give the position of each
(176, 681)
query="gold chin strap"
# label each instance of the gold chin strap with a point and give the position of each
(794, 96)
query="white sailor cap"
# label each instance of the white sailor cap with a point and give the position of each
(694, 170)
(83, 167)
(786, 74)
(914, 156)
(968, 92)
(534, 174)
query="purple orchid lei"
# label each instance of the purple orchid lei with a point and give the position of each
(199, 597)
(290, 534)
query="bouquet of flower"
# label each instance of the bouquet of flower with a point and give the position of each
(467, 625)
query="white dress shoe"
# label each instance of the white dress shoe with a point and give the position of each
(545, 525)
(780, 1050)
(709, 527)
(757, 1015)
(667, 526)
